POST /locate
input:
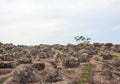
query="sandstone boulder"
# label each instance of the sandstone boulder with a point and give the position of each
(6, 64)
(24, 60)
(7, 57)
(71, 62)
(44, 55)
(84, 57)
(25, 74)
(1, 50)
(52, 76)
(117, 63)
(107, 56)
(9, 46)
(39, 65)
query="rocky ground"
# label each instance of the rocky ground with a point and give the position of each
(60, 64)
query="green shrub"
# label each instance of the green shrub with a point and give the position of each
(58, 55)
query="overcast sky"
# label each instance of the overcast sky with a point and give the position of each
(32, 22)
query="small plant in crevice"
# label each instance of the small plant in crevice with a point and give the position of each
(58, 55)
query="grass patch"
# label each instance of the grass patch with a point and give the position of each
(2, 80)
(86, 74)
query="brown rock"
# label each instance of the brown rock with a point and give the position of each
(6, 64)
(39, 66)
(24, 60)
(25, 74)
(71, 62)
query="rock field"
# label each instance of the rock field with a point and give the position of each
(96, 63)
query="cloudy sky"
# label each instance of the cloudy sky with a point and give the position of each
(32, 22)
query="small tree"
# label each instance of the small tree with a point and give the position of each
(82, 39)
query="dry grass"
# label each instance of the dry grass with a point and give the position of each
(116, 56)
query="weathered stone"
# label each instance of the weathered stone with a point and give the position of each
(97, 44)
(8, 46)
(117, 63)
(107, 56)
(118, 49)
(109, 44)
(24, 60)
(117, 73)
(26, 74)
(34, 52)
(52, 76)
(84, 57)
(39, 66)
(108, 74)
(44, 55)
(83, 51)
(1, 50)
(6, 64)
(7, 57)
(71, 62)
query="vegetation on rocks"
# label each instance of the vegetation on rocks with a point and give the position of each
(83, 63)
(86, 74)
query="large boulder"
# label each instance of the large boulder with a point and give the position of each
(24, 60)
(44, 55)
(118, 49)
(83, 57)
(1, 50)
(108, 74)
(6, 64)
(39, 65)
(7, 57)
(117, 63)
(25, 74)
(107, 56)
(108, 45)
(71, 62)
(9, 46)
(34, 52)
(52, 76)
(97, 44)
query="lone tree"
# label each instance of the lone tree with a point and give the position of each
(82, 39)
